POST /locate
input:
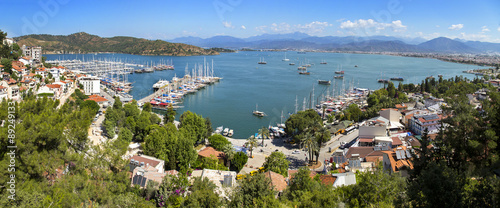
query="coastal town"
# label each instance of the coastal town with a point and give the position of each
(331, 142)
(249, 104)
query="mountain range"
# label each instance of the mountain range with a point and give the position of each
(86, 43)
(302, 41)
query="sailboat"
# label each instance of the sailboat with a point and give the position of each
(258, 113)
(323, 62)
(262, 61)
(285, 59)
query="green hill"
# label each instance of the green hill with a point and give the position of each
(87, 43)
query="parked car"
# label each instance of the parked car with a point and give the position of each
(296, 152)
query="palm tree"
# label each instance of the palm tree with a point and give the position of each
(229, 153)
(264, 132)
(309, 141)
(251, 143)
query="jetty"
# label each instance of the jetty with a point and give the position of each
(171, 93)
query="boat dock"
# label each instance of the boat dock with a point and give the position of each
(171, 93)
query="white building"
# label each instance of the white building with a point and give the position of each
(91, 85)
(8, 41)
(34, 52)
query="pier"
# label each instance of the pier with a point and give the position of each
(171, 93)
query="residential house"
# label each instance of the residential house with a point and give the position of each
(56, 89)
(277, 181)
(358, 155)
(28, 83)
(19, 68)
(99, 100)
(146, 168)
(210, 152)
(431, 122)
(401, 107)
(13, 91)
(398, 160)
(45, 91)
(42, 72)
(8, 41)
(26, 60)
(344, 179)
(144, 160)
(432, 101)
(3, 93)
(57, 72)
(220, 178)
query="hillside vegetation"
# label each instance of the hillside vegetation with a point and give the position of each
(87, 43)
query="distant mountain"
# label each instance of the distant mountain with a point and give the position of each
(288, 36)
(302, 41)
(87, 43)
(379, 46)
(484, 46)
(447, 45)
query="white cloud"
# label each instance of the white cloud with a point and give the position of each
(498, 29)
(372, 25)
(484, 29)
(227, 24)
(456, 27)
(312, 28)
(438, 26)
(243, 27)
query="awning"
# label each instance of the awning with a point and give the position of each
(366, 140)
(153, 102)
(163, 103)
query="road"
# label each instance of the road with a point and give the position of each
(334, 143)
(66, 96)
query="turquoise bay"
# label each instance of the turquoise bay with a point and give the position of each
(276, 85)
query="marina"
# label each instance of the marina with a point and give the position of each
(229, 103)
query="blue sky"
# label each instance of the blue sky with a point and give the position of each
(168, 19)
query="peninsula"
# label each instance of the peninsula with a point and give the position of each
(86, 43)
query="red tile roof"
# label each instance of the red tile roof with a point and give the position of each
(97, 98)
(396, 141)
(327, 179)
(138, 158)
(277, 180)
(53, 86)
(291, 174)
(209, 151)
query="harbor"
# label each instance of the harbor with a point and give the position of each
(171, 93)
(274, 86)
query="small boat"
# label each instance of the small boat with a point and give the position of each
(225, 132)
(219, 130)
(285, 59)
(383, 81)
(138, 71)
(355, 65)
(429, 77)
(324, 82)
(301, 68)
(291, 64)
(304, 72)
(258, 113)
(397, 78)
(339, 72)
(322, 62)
(440, 75)
(160, 84)
(262, 61)
(339, 77)
(230, 133)
(301, 52)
